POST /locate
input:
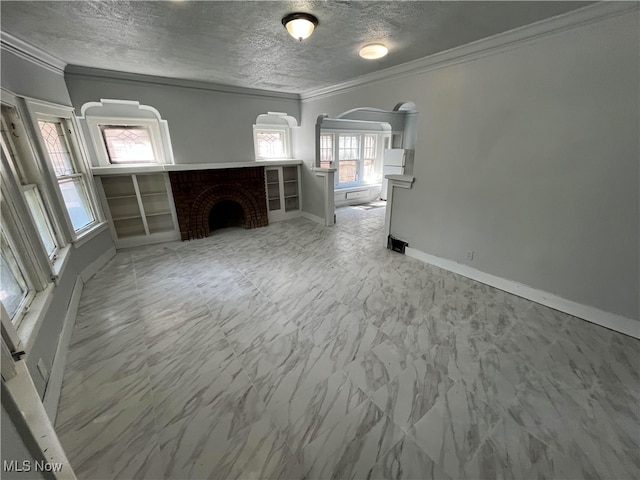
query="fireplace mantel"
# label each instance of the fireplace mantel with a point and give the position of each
(133, 169)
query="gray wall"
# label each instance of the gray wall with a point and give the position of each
(206, 123)
(14, 448)
(47, 340)
(24, 78)
(530, 158)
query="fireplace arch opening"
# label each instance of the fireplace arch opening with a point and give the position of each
(226, 214)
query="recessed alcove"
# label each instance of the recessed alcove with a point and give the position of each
(226, 214)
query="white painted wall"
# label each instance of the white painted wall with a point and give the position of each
(528, 156)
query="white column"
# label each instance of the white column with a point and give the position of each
(395, 181)
(328, 175)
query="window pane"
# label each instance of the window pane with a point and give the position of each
(128, 144)
(348, 171)
(348, 147)
(34, 202)
(13, 286)
(56, 144)
(326, 151)
(371, 170)
(75, 198)
(270, 144)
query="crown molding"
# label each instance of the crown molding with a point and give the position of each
(487, 46)
(124, 77)
(31, 53)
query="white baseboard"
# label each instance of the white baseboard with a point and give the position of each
(54, 385)
(97, 264)
(609, 320)
(313, 218)
(281, 216)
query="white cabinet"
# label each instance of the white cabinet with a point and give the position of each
(283, 192)
(140, 208)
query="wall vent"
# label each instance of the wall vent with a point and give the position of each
(396, 244)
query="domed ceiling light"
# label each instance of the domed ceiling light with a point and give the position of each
(373, 51)
(300, 25)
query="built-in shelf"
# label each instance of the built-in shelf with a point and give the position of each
(283, 191)
(115, 219)
(152, 194)
(114, 197)
(140, 208)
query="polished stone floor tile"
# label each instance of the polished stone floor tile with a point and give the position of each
(406, 461)
(512, 452)
(351, 447)
(411, 394)
(378, 366)
(316, 410)
(452, 431)
(297, 352)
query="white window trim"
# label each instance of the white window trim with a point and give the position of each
(333, 147)
(94, 123)
(32, 186)
(30, 324)
(26, 329)
(275, 122)
(380, 136)
(30, 291)
(17, 220)
(266, 129)
(45, 111)
(31, 172)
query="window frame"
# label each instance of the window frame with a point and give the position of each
(22, 172)
(286, 143)
(275, 122)
(19, 167)
(361, 134)
(96, 123)
(47, 112)
(332, 136)
(47, 220)
(40, 284)
(17, 266)
(358, 160)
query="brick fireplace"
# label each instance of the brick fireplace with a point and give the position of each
(197, 192)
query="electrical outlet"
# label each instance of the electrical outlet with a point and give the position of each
(470, 254)
(42, 368)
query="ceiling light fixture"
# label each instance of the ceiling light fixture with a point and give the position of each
(373, 51)
(300, 25)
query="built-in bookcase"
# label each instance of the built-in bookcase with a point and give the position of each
(283, 192)
(140, 208)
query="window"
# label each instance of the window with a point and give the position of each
(371, 172)
(14, 292)
(270, 144)
(128, 144)
(359, 157)
(41, 220)
(272, 136)
(123, 133)
(348, 158)
(326, 150)
(71, 180)
(17, 150)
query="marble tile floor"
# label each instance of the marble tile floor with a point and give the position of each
(302, 352)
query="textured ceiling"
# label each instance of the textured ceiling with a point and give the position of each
(243, 43)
